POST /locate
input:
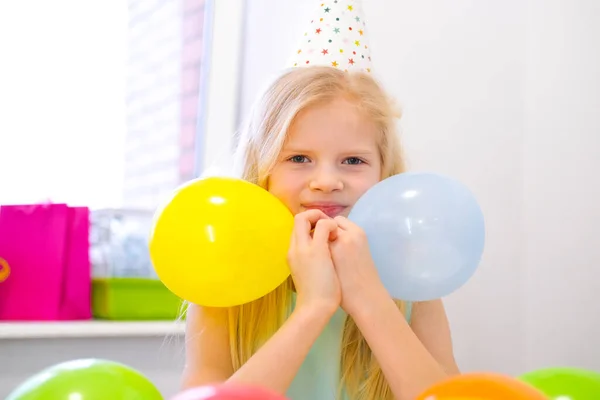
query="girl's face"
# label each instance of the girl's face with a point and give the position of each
(329, 160)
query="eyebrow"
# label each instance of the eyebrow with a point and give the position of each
(354, 152)
(360, 152)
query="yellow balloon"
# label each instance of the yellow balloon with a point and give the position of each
(221, 242)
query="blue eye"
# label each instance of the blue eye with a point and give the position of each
(353, 161)
(298, 159)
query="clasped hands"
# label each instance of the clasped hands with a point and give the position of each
(330, 262)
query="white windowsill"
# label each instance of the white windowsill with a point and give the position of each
(83, 329)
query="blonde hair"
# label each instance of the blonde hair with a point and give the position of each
(258, 148)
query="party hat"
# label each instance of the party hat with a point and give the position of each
(335, 37)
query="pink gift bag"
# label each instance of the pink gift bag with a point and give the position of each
(45, 271)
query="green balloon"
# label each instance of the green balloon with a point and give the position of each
(87, 379)
(565, 383)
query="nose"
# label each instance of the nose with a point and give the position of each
(326, 180)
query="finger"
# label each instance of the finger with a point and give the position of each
(325, 231)
(344, 223)
(303, 224)
(333, 235)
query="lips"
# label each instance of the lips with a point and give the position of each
(331, 210)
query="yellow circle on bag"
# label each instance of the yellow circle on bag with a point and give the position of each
(221, 242)
(4, 270)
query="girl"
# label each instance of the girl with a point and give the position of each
(318, 139)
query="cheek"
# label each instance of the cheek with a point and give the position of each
(362, 189)
(285, 187)
(365, 183)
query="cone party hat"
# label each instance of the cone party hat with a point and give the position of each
(335, 37)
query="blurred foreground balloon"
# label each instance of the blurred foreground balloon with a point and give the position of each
(87, 379)
(482, 386)
(565, 383)
(221, 242)
(228, 392)
(426, 233)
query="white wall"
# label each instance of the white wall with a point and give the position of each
(561, 183)
(504, 96)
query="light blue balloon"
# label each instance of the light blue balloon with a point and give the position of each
(426, 234)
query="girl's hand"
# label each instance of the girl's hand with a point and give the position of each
(310, 261)
(354, 265)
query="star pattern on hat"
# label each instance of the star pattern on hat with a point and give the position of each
(336, 38)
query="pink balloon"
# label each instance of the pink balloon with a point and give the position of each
(228, 392)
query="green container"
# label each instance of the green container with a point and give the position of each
(133, 299)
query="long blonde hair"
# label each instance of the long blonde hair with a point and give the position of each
(258, 147)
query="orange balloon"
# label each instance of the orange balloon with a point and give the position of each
(482, 386)
(4, 270)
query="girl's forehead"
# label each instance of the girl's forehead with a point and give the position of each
(339, 141)
(336, 123)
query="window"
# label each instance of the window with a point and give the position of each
(103, 103)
